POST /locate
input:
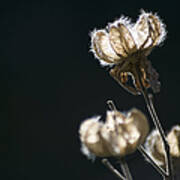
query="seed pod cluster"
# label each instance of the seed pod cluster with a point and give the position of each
(118, 136)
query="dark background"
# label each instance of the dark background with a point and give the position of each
(54, 83)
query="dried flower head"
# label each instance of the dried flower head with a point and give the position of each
(120, 135)
(125, 46)
(155, 147)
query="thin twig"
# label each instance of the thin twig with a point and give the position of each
(111, 105)
(168, 160)
(125, 169)
(151, 109)
(123, 163)
(112, 169)
(149, 158)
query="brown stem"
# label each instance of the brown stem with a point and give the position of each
(168, 160)
(149, 158)
(125, 169)
(152, 111)
(112, 169)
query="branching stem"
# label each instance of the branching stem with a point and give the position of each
(152, 111)
(112, 169)
(125, 169)
(149, 158)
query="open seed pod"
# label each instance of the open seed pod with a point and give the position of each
(120, 135)
(124, 46)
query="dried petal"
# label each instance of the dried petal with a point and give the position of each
(116, 41)
(141, 30)
(120, 36)
(157, 28)
(127, 39)
(149, 31)
(102, 48)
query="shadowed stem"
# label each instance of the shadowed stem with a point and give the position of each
(152, 111)
(168, 160)
(149, 158)
(125, 169)
(112, 169)
(124, 165)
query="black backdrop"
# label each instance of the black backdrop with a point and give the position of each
(54, 83)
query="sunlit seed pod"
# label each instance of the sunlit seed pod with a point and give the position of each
(124, 46)
(92, 144)
(123, 133)
(122, 38)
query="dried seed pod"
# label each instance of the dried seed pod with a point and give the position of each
(155, 148)
(126, 46)
(120, 135)
(124, 133)
(92, 142)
